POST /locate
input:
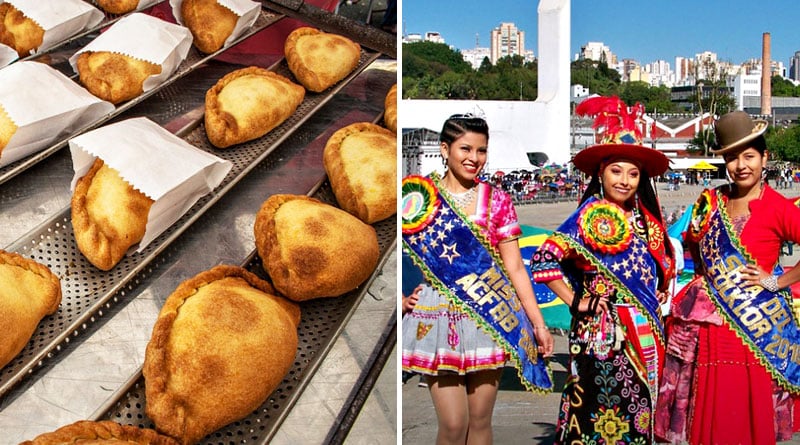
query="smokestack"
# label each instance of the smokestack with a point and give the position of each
(766, 76)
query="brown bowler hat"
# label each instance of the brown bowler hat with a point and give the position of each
(735, 129)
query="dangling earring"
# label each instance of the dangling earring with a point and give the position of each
(444, 162)
(763, 177)
(730, 181)
(601, 190)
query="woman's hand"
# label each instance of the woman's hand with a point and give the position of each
(752, 274)
(592, 305)
(544, 340)
(410, 301)
(662, 296)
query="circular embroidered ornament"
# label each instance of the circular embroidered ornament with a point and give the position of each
(420, 203)
(603, 226)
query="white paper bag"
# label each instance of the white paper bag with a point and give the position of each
(27, 93)
(164, 167)
(60, 19)
(147, 38)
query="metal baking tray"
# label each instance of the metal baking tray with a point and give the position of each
(321, 323)
(194, 59)
(86, 290)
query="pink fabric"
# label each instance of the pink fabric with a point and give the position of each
(497, 218)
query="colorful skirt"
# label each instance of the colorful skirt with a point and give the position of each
(605, 401)
(438, 337)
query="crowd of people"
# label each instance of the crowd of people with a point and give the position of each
(715, 363)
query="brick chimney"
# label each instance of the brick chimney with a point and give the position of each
(766, 76)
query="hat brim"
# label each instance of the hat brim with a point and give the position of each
(758, 129)
(651, 160)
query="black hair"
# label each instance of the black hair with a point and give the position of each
(759, 144)
(456, 125)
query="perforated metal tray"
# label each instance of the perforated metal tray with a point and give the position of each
(321, 322)
(194, 59)
(86, 290)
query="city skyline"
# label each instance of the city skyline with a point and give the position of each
(734, 32)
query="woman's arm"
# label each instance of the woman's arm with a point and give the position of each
(512, 260)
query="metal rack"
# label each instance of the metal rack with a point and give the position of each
(287, 160)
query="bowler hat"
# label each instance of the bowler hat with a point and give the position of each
(735, 130)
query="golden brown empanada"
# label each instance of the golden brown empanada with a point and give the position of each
(108, 215)
(86, 432)
(390, 109)
(114, 77)
(19, 31)
(28, 292)
(311, 249)
(319, 59)
(209, 22)
(7, 128)
(117, 6)
(222, 343)
(361, 162)
(246, 104)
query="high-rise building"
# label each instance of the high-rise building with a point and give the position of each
(507, 40)
(598, 52)
(794, 67)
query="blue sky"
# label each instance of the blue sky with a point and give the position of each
(642, 30)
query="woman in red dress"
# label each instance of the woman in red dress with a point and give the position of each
(731, 363)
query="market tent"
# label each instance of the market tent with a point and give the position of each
(702, 165)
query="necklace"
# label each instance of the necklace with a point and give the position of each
(462, 199)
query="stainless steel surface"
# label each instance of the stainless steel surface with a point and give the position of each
(58, 60)
(103, 352)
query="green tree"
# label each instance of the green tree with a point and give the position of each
(784, 143)
(421, 58)
(783, 87)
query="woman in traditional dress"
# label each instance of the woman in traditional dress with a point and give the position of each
(476, 309)
(611, 263)
(733, 341)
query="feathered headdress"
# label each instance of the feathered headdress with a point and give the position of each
(621, 136)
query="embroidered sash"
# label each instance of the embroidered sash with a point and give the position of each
(601, 236)
(460, 263)
(762, 319)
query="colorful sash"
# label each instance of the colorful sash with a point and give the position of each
(461, 264)
(762, 319)
(601, 235)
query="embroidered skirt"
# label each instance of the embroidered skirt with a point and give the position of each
(438, 337)
(605, 401)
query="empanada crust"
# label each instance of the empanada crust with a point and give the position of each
(117, 6)
(108, 215)
(28, 292)
(247, 104)
(18, 31)
(361, 162)
(105, 432)
(318, 59)
(222, 343)
(390, 109)
(7, 127)
(209, 22)
(114, 77)
(311, 249)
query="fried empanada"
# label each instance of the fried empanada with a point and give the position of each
(319, 59)
(28, 292)
(7, 128)
(117, 6)
(222, 343)
(108, 215)
(18, 31)
(88, 432)
(311, 249)
(209, 22)
(390, 109)
(114, 77)
(361, 162)
(246, 104)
